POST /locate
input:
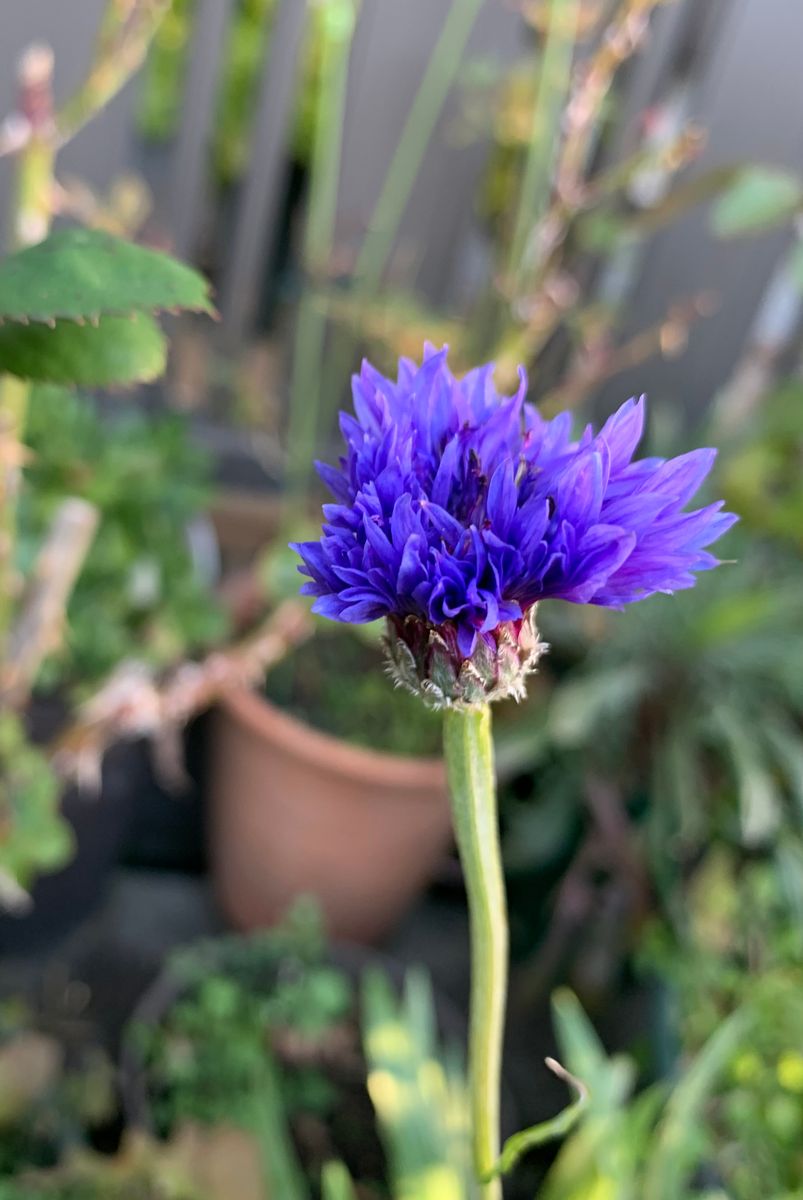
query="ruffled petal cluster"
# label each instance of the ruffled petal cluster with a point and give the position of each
(463, 508)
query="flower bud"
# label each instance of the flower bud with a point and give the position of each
(426, 660)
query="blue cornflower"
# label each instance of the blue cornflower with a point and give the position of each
(457, 509)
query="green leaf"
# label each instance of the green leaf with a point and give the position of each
(786, 742)
(677, 1144)
(759, 199)
(609, 1080)
(678, 758)
(82, 274)
(789, 862)
(760, 801)
(118, 350)
(420, 1104)
(336, 1183)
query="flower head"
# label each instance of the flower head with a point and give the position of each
(456, 510)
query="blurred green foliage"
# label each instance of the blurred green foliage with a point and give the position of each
(149, 482)
(34, 836)
(235, 998)
(762, 472)
(49, 1098)
(649, 1147)
(744, 952)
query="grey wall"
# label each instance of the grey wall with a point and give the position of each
(747, 91)
(392, 46)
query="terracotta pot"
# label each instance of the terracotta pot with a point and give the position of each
(245, 522)
(294, 811)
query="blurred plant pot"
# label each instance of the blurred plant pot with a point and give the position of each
(100, 821)
(294, 811)
(245, 522)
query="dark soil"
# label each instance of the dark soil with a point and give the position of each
(337, 683)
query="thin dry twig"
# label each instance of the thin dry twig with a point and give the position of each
(125, 34)
(132, 704)
(600, 358)
(37, 631)
(619, 42)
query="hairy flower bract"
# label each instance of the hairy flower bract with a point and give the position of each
(461, 508)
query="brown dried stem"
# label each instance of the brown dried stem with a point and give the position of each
(38, 629)
(618, 43)
(31, 213)
(126, 32)
(599, 359)
(132, 704)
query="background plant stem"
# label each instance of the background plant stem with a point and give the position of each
(30, 220)
(282, 1171)
(405, 165)
(126, 32)
(310, 337)
(416, 135)
(468, 749)
(554, 78)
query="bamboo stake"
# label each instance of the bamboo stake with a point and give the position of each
(132, 704)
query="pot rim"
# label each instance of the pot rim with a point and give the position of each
(305, 743)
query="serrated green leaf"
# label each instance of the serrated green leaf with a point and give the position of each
(758, 199)
(118, 350)
(83, 274)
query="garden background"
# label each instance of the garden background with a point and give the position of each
(610, 193)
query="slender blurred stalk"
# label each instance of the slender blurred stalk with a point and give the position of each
(126, 32)
(536, 272)
(30, 219)
(281, 1169)
(585, 112)
(405, 165)
(338, 22)
(554, 82)
(416, 135)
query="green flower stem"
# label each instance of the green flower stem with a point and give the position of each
(468, 749)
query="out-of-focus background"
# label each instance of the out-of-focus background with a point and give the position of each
(609, 192)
